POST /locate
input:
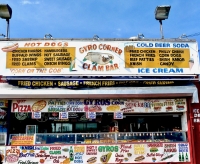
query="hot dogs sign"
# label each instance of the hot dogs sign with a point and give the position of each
(99, 154)
(100, 105)
(64, 57)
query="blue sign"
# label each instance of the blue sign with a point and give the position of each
(118, 115)
(91, 115)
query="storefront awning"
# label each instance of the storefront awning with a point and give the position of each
(11, 92)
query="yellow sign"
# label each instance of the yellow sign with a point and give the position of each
(23, 140)
(156, 58)
(40, 57)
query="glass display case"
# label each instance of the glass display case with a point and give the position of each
(102, 138)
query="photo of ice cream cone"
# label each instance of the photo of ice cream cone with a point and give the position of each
(191, 63)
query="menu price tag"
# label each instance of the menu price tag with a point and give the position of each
(36, 115)
(91, 115)
(63, 115)
(118, 115)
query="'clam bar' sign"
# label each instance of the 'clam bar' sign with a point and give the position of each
(106, 58)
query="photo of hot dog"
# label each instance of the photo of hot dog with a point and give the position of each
(140, 158)
(169, 108)
(10, 48)
(167, 157)
(92, 160)
(157, 108)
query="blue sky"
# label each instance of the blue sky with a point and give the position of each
(106, 18)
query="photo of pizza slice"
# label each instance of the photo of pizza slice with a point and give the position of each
(39, 105)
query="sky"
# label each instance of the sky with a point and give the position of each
(105, 18)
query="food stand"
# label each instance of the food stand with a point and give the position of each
(114, 101)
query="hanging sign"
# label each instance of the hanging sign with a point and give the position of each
(118, 115)
(63, 115)
(36, 115)
(91, 115)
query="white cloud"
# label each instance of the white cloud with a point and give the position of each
(28, 2)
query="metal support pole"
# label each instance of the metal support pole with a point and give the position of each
(161, 29)
(7, 31)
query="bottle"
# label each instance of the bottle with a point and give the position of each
(186, 157)
(182, 157)
(71, 154)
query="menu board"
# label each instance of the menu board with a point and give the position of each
(155, 57)
(40, 58)
(122, 153)
(100, 105)
(105, 58)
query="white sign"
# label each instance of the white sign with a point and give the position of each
(118, 115)
(36, 115)
(105, 58)
(63, 115)
(91, 115)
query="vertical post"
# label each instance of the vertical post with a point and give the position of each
(161, 29)
(7, 31)
(8, 121)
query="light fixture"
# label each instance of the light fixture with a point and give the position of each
(140, 36)
(95, 38)
(162, 13)
(6, 13)
(48, 35)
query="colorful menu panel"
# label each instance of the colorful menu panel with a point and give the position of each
(107, 58)
(100, 105)
(101, 154)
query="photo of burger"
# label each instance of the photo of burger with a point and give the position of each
(153, 149)
(139, 158)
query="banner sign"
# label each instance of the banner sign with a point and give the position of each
(99, 105)
(23, 140)
(77, 154)
(65, 57)
(70, 83)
